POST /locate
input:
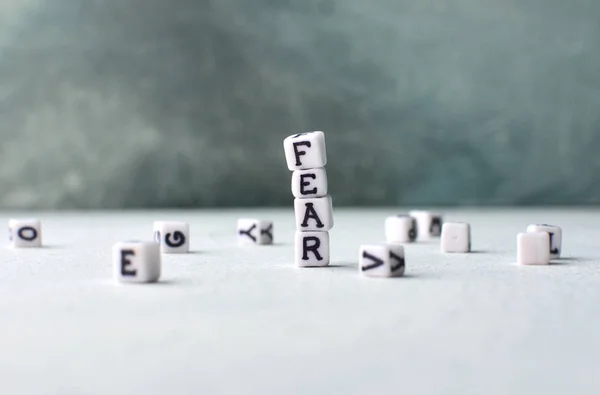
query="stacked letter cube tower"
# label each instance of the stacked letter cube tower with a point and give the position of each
(306, 156)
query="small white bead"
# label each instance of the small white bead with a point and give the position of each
(555, 234)
(532, 248)
(305, 151)
(400, 229)
(456, 237)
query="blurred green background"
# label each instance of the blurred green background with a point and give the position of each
(181, 103)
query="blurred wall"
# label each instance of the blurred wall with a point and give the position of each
(129, 103)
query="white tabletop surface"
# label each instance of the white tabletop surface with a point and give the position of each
(231, 320)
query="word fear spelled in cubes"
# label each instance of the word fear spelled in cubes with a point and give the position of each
(306, 157)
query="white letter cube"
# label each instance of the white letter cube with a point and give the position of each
(25, 233)
(314, 214)
(254, 231)
(136, 262)
(428, 224)
(400, 229)
(555, 234)
(312, 249)
(309, 183)
(305, 151)
(532, 248)
(456, 237)
(173, 237)
(381, 260)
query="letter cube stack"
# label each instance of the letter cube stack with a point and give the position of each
(306, 156)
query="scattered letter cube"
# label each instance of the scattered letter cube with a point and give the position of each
(305, 151)
(312, 249)
(428, 224)
(314, 214)
(309, 183)
(136, 262)
(555, 234)
(456, 237)
(532, 248)
(381, 260)
(25, 233)
(400, 229)
(254, 231)
(173, 237)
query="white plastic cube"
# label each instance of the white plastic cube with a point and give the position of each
(136, 262)
(254, 231)
(532, 248)
(555, 234)
(428, 224)
(381, 260)
(400, 229)
(309, 183)
(314, 214)
(305, 151)
(25, 233)
(312, 249)
(456, 237)
(173, 237)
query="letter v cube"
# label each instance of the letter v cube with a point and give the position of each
(381, 260)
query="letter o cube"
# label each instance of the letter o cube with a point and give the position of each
(136, 262)
(25, 233)
(173, 237)
(532, 248)
(381, 260)
(305, 151)
(555, 234)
